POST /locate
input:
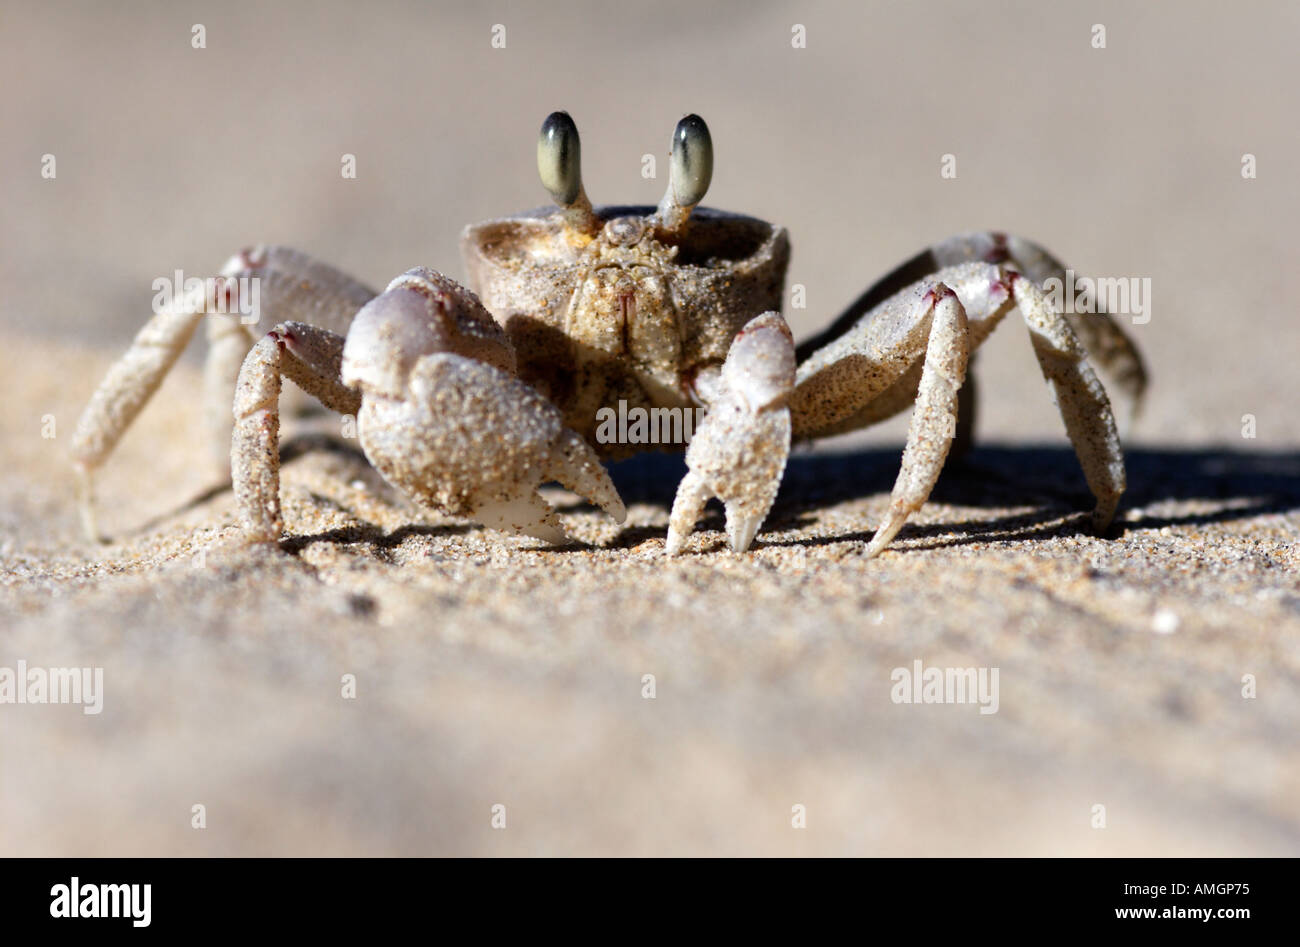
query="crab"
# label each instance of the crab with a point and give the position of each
(467, 400)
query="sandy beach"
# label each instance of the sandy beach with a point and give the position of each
(1155, 673)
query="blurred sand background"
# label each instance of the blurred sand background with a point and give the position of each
(492, 672)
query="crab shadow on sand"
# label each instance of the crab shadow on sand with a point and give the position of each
(1235, 484)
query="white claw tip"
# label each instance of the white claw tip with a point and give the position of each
(885, 534)
(547, 534)
(741, 534)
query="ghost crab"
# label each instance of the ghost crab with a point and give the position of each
(467, 403)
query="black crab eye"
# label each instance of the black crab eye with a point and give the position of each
(692, 160)
(559, 158)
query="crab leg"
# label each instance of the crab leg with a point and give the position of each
(287, 283)
(1107, 344)
(228, 343)
(1082, 401)
(311, 357)
(873, 371)
(294, 287)
(125, 390)
(934, 418)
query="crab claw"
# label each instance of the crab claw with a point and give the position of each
(739, 451)
(453, 431)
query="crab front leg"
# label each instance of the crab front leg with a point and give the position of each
(739, 451)
(310, 356)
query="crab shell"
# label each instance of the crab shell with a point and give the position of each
(623, 316)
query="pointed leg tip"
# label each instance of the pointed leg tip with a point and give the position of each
(1103, 515)
(86, 504)
(547, 530)
(885, 535)
(1102, 521)
(551, 535)
(89, 527)
(258, 532)
(741, 533)
(262, 540)
(877, 545)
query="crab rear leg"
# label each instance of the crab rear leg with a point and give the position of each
(1107, 344)
(1082, 401)
(289, 284)
(866, 373)
(125, 390)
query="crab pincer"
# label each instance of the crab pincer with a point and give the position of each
(445, 421)
(739, 452)
(440, 415)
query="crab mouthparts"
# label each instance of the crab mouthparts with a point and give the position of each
(627, 314)
(627, 305)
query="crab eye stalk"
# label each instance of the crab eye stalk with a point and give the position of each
(690, 171)
(692, 164)
(559, 164)
(559, 158)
